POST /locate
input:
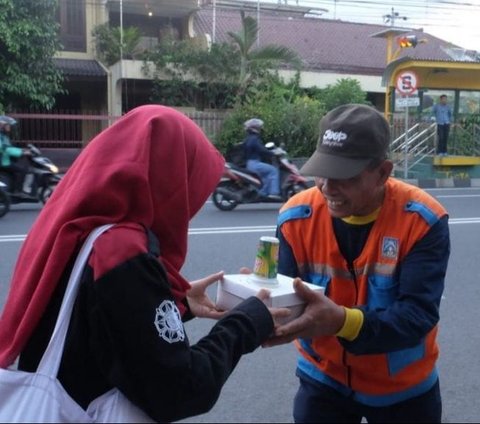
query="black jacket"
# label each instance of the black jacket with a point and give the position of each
(122, 335)
(254, 148)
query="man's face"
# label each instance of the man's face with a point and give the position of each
(443, 100)
(359, 195)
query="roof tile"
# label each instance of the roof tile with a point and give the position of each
(324, 44)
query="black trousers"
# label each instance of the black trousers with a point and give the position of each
(319, 403)
(18, 172)
(442, 132)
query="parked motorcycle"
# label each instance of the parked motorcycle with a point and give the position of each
(239, 185)
(39, 182)
(4, 199)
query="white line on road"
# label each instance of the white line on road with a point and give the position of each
(447, 196)
(232, 230)
(454, 221)
(229, 230)
(12, 238)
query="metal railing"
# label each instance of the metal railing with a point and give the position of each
(73, 130)
(70, 129)
(411, 148)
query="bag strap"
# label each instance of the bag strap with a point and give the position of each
(52, 356)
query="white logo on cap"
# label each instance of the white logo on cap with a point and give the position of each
(334, 138)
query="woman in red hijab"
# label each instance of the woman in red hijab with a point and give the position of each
(148, 174)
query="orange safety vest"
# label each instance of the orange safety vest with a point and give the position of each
(406, 216)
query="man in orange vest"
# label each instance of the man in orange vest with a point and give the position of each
(379, 247)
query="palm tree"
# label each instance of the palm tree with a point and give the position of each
(251, 59)
(108, 40)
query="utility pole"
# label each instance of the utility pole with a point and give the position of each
(214, 20)
(258, 23)
(121, 30)
(392, 16)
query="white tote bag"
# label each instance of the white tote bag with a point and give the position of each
(39, 397)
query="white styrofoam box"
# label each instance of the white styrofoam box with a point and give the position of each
(236, 287)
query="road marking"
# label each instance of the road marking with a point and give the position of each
(454, 221)
(12, 238)
(448, 196)
(234, 230)
(231, 230)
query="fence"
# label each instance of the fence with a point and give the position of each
(67, 129)
(62, 134)
(464, 140)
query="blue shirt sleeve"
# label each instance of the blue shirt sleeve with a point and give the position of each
(416, 309)
(286, 261)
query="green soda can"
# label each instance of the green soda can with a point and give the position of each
(266, 261)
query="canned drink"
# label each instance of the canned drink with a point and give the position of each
(266, 261)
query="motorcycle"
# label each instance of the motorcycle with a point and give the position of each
(39, 182)
(4, 199)
(238, 185)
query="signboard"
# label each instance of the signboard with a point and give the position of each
(401, 102)
(407, 83)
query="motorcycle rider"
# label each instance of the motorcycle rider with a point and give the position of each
(254, 151)
(9, 152)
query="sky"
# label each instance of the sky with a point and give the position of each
(452, 20)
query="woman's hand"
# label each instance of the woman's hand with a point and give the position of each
(199, 302)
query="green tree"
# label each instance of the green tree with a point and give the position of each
(217, 77)
(291, 113)
(108, 41)
(28, 42)
(290, 116)
(254, 62)
(188, 75)
(344, 91)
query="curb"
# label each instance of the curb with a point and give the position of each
(432, 182)
(444, 182)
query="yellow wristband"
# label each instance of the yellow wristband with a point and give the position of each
(352, 325)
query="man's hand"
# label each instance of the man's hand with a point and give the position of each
(277, 313)
(321, 317)
(199, 302)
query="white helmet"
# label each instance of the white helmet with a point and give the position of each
(7, 120)
(253, 125)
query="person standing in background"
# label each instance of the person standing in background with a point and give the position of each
(442, 113)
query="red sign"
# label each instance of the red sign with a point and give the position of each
(407, 83)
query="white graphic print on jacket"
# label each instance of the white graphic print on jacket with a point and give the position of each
(169, 323)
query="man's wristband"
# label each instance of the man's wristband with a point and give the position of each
(352, 325)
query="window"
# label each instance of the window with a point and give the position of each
(71, 15)
(469, 102)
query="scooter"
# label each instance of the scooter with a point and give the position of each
(4, 199)
(39, 182)
(240, 186)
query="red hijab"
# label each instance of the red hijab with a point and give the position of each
(155, 167)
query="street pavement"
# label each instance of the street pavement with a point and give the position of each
(262, 387)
